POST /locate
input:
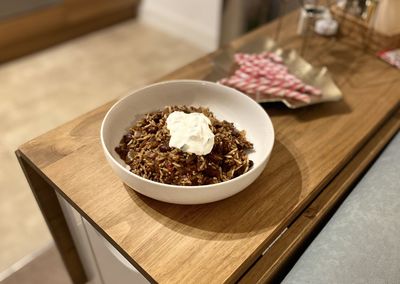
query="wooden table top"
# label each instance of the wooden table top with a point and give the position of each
(217, 242)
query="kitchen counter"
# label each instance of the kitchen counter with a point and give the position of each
(319, 152)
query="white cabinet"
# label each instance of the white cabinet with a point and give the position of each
(78, 232)
(102, 263)
(113, 266)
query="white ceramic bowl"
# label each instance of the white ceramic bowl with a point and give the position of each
(226, 103)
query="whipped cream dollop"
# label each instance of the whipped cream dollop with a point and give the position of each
(190, 132)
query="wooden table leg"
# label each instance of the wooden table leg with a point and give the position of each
(53, 215)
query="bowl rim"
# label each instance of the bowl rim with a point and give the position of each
(186, 187)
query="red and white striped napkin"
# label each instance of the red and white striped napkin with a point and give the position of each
(391, 56)
(265, 75)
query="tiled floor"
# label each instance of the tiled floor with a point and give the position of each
(46, 268)
(43, 90)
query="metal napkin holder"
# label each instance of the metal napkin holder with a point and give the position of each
(224, 65)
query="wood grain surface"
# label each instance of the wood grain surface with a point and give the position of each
(217, 242)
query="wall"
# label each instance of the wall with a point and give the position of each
(197, 21)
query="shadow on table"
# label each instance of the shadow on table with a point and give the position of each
(308, 113)
(259, 208)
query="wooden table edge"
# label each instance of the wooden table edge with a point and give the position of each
(243, 269)
(52, 213)
(281, 256)
(44, 190)
(36, 172)
(266, 268)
